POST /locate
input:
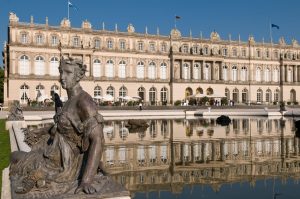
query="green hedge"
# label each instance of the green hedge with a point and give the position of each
(4, 148)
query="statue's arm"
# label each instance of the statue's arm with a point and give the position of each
(93, 133)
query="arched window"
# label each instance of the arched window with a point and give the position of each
(244, 74)
(24, 65)
(152, 95)
(39, 65)
(276, 95)
(163, 95)
(141, 93)
(110, 91)
(244, 95)
(122, 91)
(267, 75)
(276, 75)
(290, 75)
(188, 92)
(268, 96)
(227, 93)
(206, 72)
(196, 71)
(224, 68)
(163, 71)
(199, 90)
(259, 96)
(40, 93)
(140, 70)
(234, 73)
(122, 69)
(24, 90)
(54, 89)
(293, 96)
(97, 92)
(97, 68)
(209, 91)
(235, 95)
(109, 69)
(258, 74)
(186, 69)
(54, 64)
(151, 70)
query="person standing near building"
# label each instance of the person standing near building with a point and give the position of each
(140, 105)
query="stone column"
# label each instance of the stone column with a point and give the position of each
(221, 71)
(103, 67)
(192, 70)
(295, 73)
(212, 71)
(202, 70)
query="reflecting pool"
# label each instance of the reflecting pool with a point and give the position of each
(197, 158)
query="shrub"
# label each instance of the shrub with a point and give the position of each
(289, 103)
(34, 103)
(177, 103)
(224, 101)
(192, 101)
(203, 100)
(296, 103)
(274, 103)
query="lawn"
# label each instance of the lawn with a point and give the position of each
(4, 149)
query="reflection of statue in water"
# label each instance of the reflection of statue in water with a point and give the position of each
(66, 160)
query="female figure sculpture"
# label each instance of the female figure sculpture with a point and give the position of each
(68, 157)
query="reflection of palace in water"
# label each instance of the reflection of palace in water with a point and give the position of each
(172, 153)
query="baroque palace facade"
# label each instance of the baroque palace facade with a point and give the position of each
(159, 69)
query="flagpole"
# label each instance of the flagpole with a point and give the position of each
(271, 33)
(175, 21)
(68, 10)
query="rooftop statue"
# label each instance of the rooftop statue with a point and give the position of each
(65, 161)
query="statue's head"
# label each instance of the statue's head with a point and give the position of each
(71, 72)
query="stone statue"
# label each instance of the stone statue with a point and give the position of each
(16, 112)
(65, 159)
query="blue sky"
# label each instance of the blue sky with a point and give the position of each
(233, 17)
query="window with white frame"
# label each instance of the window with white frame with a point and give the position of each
(163, 71)
(224, 73)
(39, 66)
(227, 93)
(163, 47)
(276, 54)
(76, 42)
(276, 75)
(244, 74)
(234, 73)
(54, 40)
(244, 95)
(97, 68)
(24, 68)
(54, 64)
(163, 94)
(258, 74)
(244, 53)
(152, 153)
(267, 75)
(152, 47)
(97, 92)
(225, 52)
(259, 95)
(196, 71)
(122, 45)
(109, 69)
(205, 50)
(122, 91)
(268, 96)
(122, 69)
(185, 71)
(140, 46)
(206, 72)
(163, 153)
(195, 49)
(140, 70)
(109, 44)
(110, 153)
(24, 90)
(24, 38)
(267, 54)
(39, 39)
(234, 52)
(110, 91)
(185, 48)
(151, 70)
(152, 95)
(258, 53)
(97, 43)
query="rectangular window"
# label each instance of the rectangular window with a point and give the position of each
(244, 53)
(24, 38)
(76, 41)
(140, 46)
(54, 40)
(39, 39)
(163, 48)
(225, 52)
(97, 43)
(258, 53)
(122, 45)
(109, 44)
(185, 49)
(152, 47)
(267, 54)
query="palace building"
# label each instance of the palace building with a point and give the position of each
(160, 69)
